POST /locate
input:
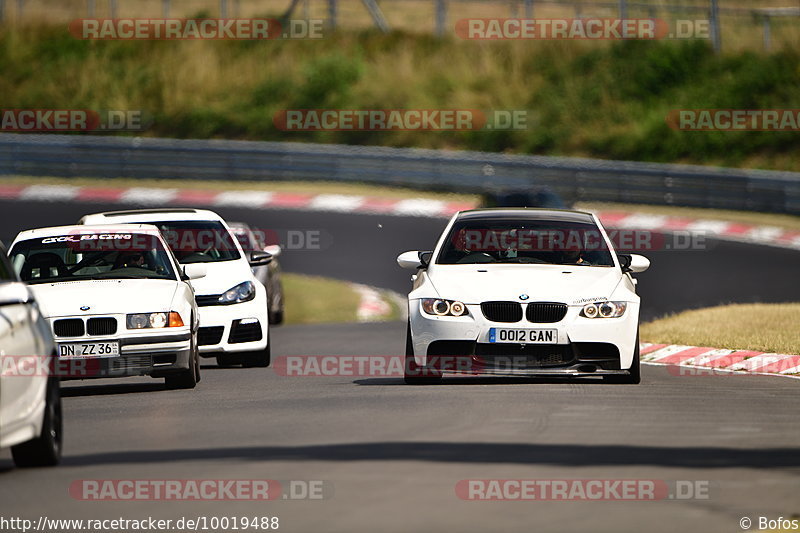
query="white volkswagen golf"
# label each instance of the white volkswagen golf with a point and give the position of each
(234, 314)
(523, 292)
(116, 299)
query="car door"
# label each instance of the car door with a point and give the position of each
(25, 345)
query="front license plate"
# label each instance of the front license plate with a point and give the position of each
(84, 350)
(524, 336)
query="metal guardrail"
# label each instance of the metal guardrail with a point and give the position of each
(575, 179)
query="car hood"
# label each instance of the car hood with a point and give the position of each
(222, 276)
(474, 284)
(107, 296)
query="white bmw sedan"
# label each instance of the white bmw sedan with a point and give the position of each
(118, 302)
(523, 292)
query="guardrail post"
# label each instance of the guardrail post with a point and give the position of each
(332, 14)
(623, 9)
(90, 8)
(528, 9)
(223, 9)
(20, 9)
(716, 38)
(165, 8)
(112, 7)
(2, 11)
(767, 33)
(441, 17)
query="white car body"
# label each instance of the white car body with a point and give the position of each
(28, 391)
(90, 316)
(568, 345)
(225, 330)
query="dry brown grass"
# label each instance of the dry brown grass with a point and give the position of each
(418, 16)
(760, 327)
(745, 217)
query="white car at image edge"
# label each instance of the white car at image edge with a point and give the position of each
(523, 292)
(233, 304)
(30, 400)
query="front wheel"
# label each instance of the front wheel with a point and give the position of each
(258, 359)
(44, 450)
(634, 377)
(414, 374)
(186, 379)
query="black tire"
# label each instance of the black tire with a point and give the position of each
(186, 379)
(44, 450)
(276, 318)
(634, 377)
(413, 374)
(259, 359)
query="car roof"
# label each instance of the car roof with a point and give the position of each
(78, 229)
(526, 213)
(151, 215)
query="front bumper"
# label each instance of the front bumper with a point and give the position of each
(582, 346)
(155, 355)
(235, 328)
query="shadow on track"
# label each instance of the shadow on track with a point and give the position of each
(484, 380)
(105, 390)
(466, 452)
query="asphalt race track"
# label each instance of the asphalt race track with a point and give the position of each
(363, 248)
(390, 455)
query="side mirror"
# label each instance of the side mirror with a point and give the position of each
(409, 260)
(15, 293)
(414, 259)
(273, 249)
(633, 263)
(260, 259)
(195, 271)
(639, 263)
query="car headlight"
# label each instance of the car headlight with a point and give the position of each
(242, 292)
(153, 320)
(604, 310)
(439, 307)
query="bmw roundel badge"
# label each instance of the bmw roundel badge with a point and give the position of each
(523, 296)
(85, 308)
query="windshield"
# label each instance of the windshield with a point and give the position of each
(83, 256)
(525, 241)
(199, 241)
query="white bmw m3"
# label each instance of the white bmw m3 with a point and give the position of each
(523, 292)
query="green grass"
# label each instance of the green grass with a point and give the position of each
(315, 300)
(760, 327)
(606, 100)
